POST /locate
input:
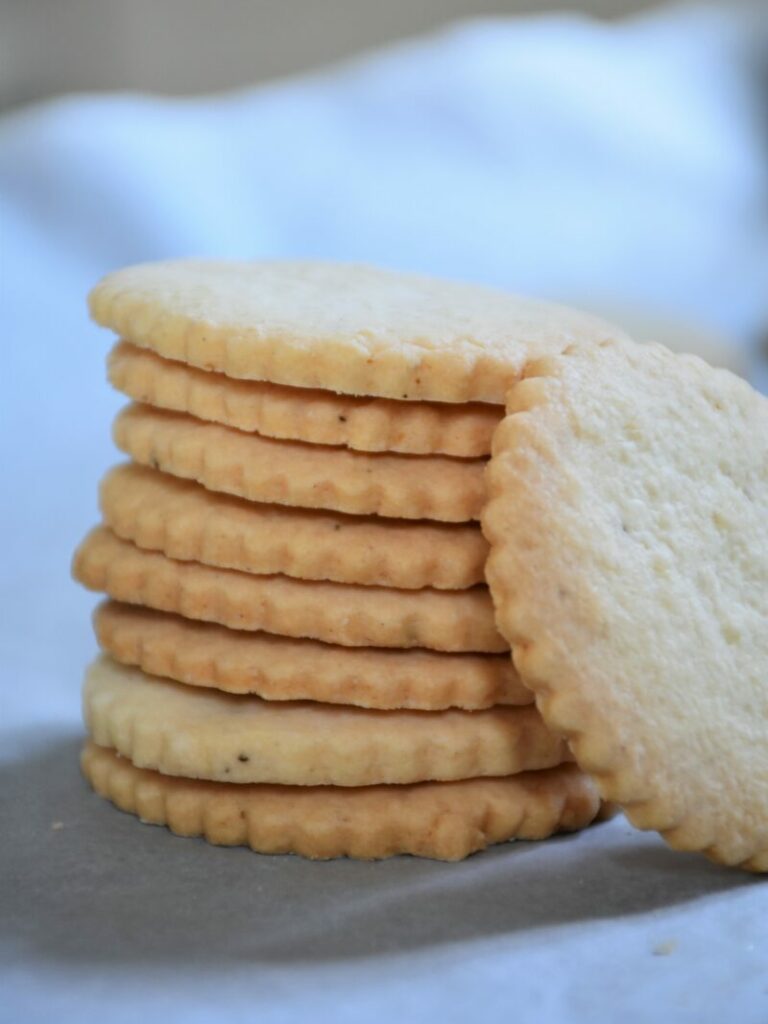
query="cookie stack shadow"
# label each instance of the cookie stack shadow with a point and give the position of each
(299, 648)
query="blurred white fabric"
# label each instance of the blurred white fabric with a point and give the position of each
(617, 166)
(606, 164)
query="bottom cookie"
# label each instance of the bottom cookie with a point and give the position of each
(442, 820)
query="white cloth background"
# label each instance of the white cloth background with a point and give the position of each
(615, 166)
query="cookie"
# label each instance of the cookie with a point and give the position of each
(301, 414)
(204, 734)
(337, 613)
(628, 522)
(279, 668)
(304, 475)
(442, 820)
(338, 327)
(187, 522)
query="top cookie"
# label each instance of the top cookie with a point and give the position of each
(628, 522)
(340, 327)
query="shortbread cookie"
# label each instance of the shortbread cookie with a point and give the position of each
(305, 475)
(339, 327)
(443, 820)
(279, 668)
(301, 414)
(204, 734)
(628, 520)
(187, 522)
(337, 613)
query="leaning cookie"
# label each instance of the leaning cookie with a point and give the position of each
(628, 523)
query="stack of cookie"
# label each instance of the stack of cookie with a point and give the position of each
(300, 649)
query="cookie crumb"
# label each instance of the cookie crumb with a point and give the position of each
(665, 948)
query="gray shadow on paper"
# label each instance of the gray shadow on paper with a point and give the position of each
(103, 889)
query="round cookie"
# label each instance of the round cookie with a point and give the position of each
(185, 521)
(203, 734)
(628, 523)
(303, 475)
(443, 820)
(336, 613)
(282, 668)
(338, 327)
(301, 414)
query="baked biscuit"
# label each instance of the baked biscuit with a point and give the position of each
(628, 523)
(339, 327)
(336, 613)
(185, 521)
(301, 414)
(281, 668)
(204, 734)
(304, 475)
(442, 820)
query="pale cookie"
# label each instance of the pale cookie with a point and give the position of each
(304, 475)
(187, 522)
(628, 520)
(278, 668)
(336, 613)
(442, 820)
(338, 327)
(301, 414)
(204, 734)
